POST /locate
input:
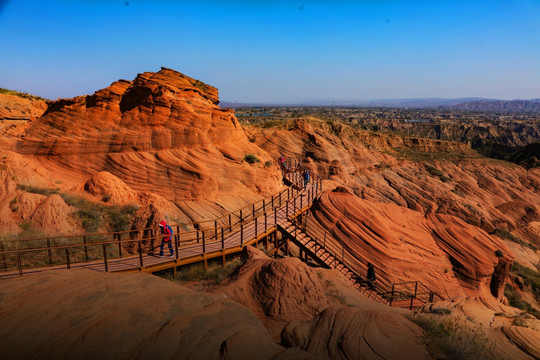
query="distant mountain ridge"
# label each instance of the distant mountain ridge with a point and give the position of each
(464, 104)
(532, 105)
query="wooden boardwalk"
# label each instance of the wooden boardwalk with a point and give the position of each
(228, 240)
(276, 222)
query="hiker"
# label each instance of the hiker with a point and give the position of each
(282, 163)
(167, 232)
(371, 276)
(305, 175)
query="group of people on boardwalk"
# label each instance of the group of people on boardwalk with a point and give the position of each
(285, 168)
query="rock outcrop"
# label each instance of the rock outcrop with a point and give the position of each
(348, 333)
(278, 291)
(160, 135)
(86, 315)
(446, 254)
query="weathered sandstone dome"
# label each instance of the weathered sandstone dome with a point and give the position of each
(162, 132)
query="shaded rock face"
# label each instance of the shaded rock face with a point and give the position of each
(84, 315)
(348, 333)
(278, 291)
(449, 256)
(162, 132)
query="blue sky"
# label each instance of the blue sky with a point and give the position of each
(268, 51)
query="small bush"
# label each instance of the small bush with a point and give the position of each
(37, 190)
(436, 172)
(515, 300)
(450, 340)
(440, 311)
(215, 272)
(20, 94)
(106, 198)
(268, 163)
(505, 234)
(472, 209)
(251, 159)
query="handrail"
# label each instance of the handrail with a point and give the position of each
(141, 240)
(387, 290)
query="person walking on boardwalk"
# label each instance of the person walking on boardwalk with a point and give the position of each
(167, 232)
(305, 175)
(282, 163)
(371, 276)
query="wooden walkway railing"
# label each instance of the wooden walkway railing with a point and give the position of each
(285, 212)
(318, 243)
(134, 250)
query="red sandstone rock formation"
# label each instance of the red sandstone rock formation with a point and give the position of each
(17, 108)
(85, 315)
(161, 134)
(278, 291)
(448, 255)
(348, 333)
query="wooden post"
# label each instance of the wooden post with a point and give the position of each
(140, 253)
(287, 210)
(412, 299)
(280, 198)
(415, 288)
(67, 259)
(119, 245)
(256, 228)
(203, 244)
(241, 217)
(198, 235)
(288, 194)
(253, 207)
(242, 234)
(275, 218)
(4, 262)
(105, 257)
(176, 246)
(272, 201)
(19, 263)
(152, 240)
(49, 251)
(230, 223)
(265, 222)
(222, 240)
(215, 229)
(264, 206)
(85, 248)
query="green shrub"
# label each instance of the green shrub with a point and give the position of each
(436, 172)
(251, 159)
(20, 94)
(215, 273)
(452, 341)
(515, 300)
(505, 234)
(440, 311)
(268, 163)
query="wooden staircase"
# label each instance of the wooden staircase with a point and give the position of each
(325, 253)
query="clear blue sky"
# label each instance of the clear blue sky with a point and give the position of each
(277, 50)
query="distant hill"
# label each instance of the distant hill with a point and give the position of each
(464, 104)
(532, 105)
(390, 103)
